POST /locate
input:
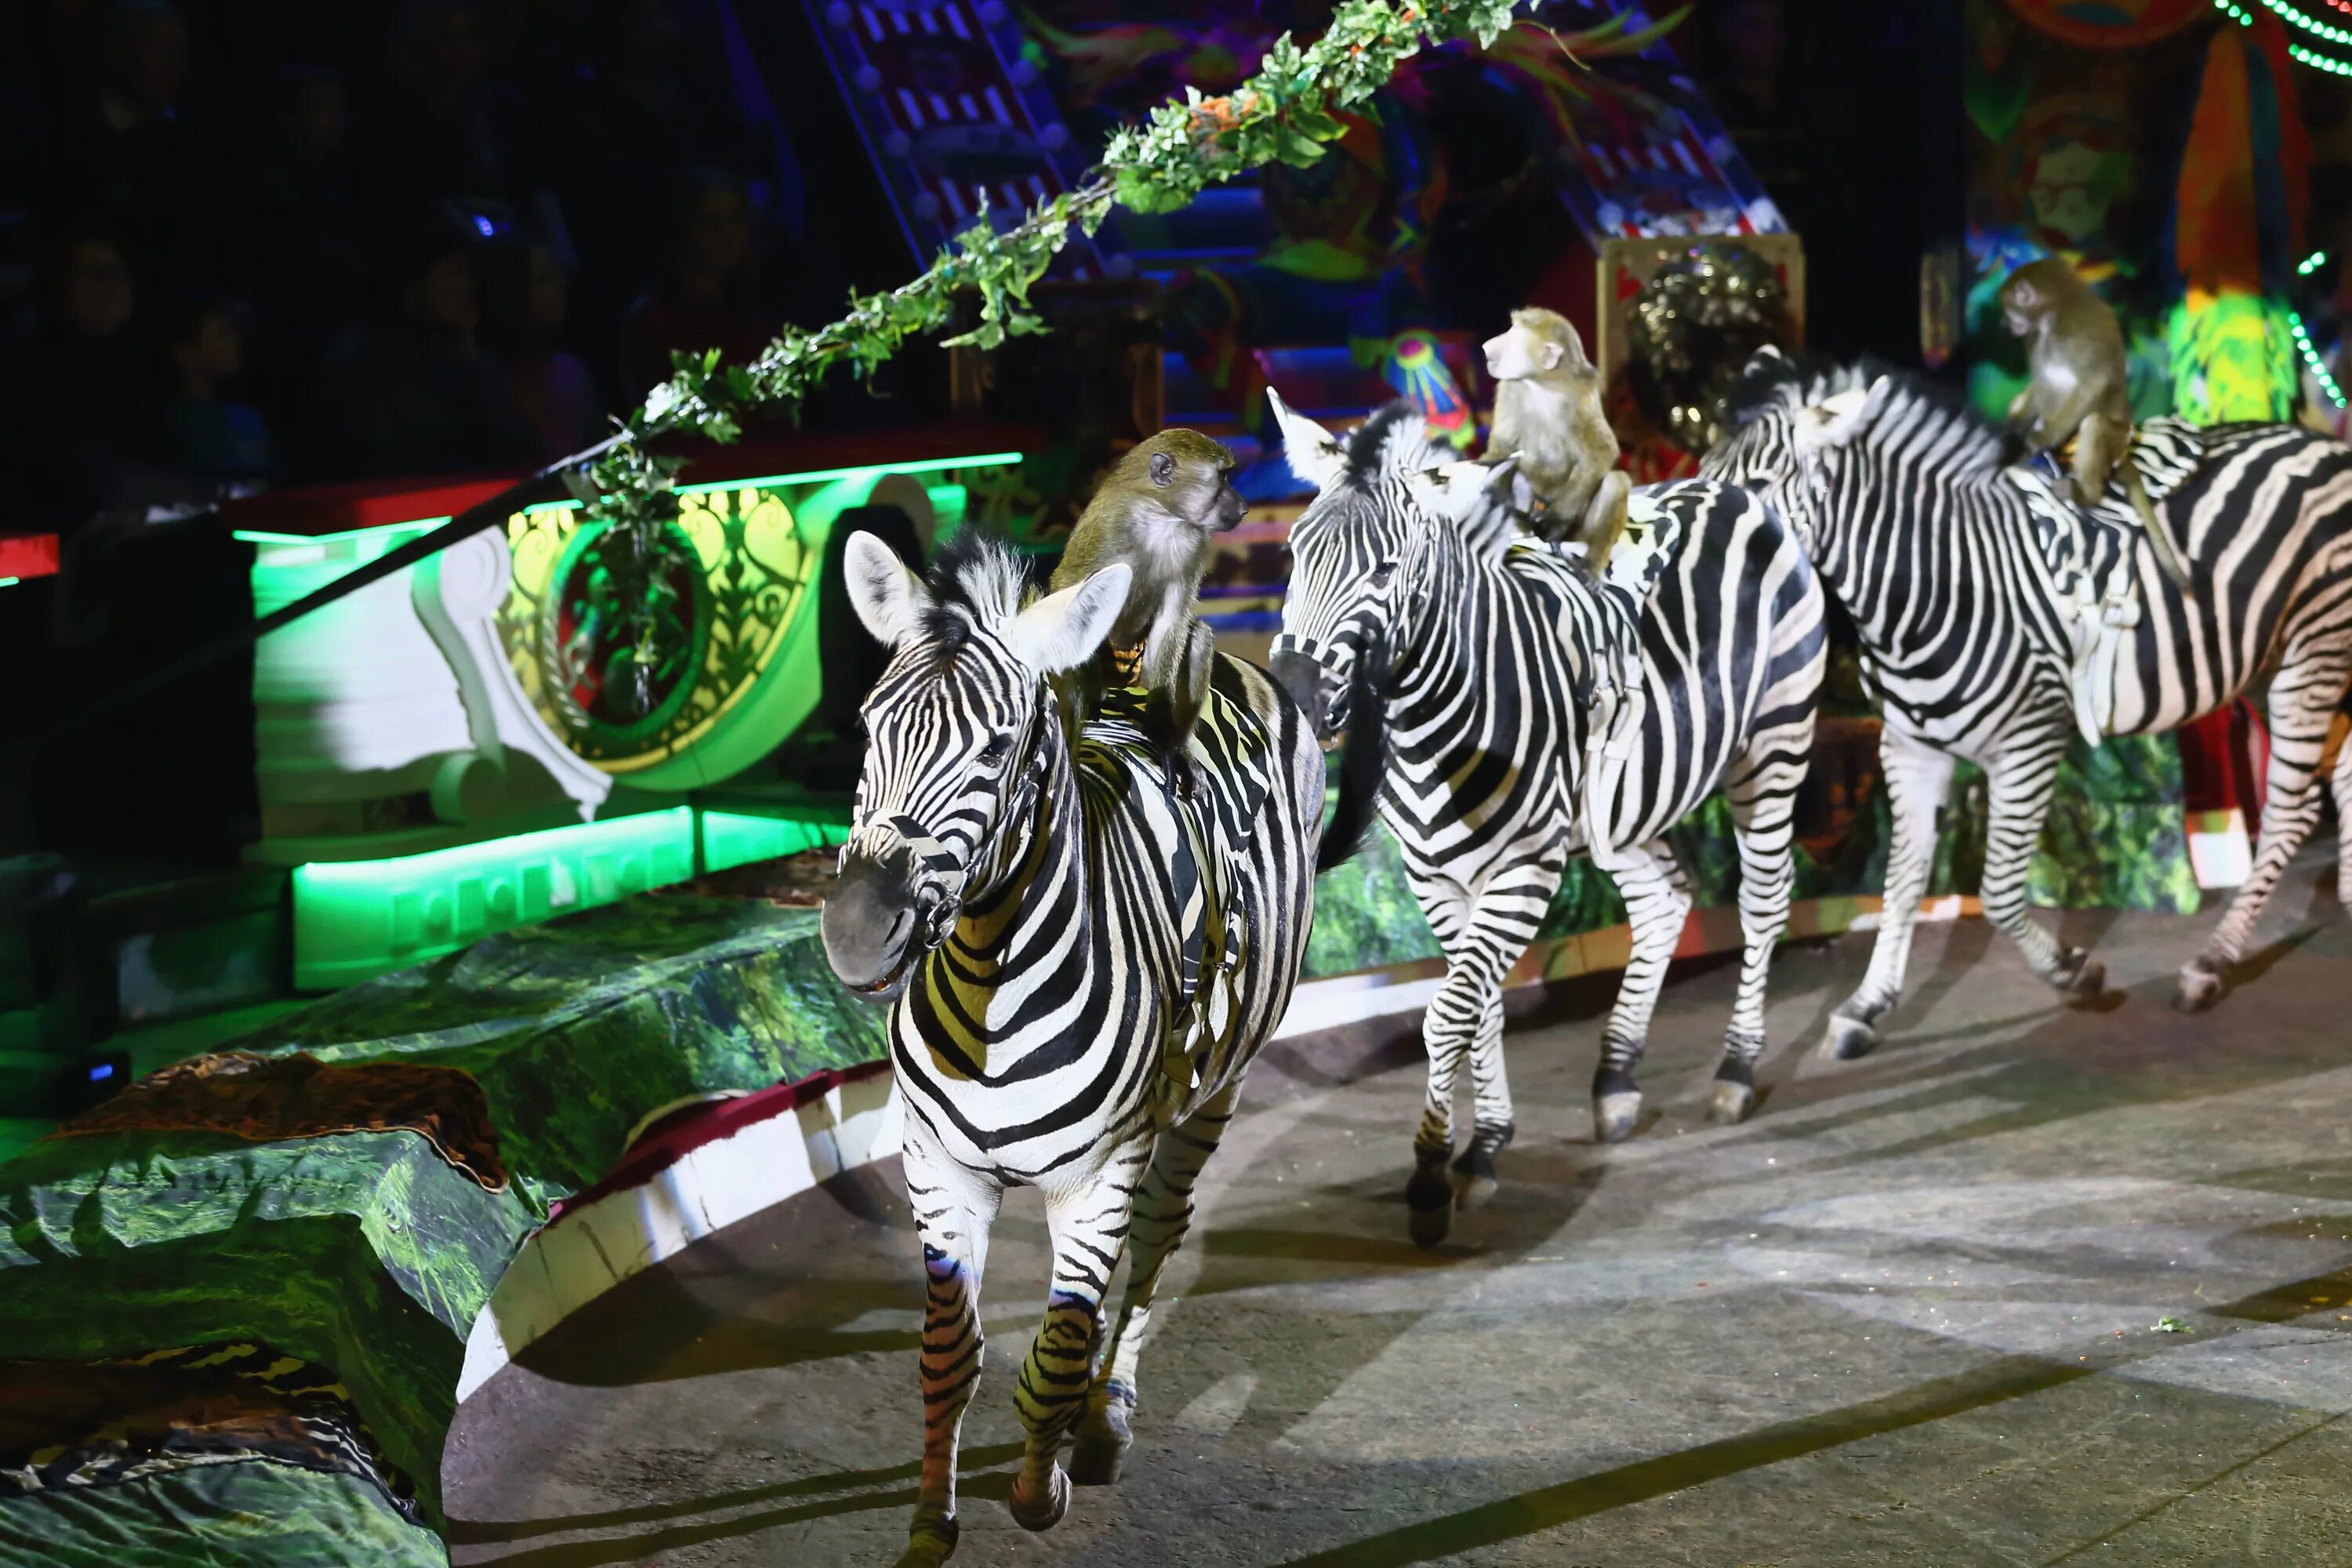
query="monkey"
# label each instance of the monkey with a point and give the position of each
(2076, 386)
(1158, 512)
(1548, 411)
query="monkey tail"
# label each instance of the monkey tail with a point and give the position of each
(2159, 531)
(1364, 760)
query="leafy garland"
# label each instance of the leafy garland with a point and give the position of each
(1284, 113)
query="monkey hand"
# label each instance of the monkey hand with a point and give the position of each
(1127, 664)
(1186, 777)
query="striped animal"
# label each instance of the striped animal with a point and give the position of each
(1531, 713)
(1083, 968)
(1993, 626)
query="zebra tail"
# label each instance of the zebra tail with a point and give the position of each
(1363, 760)
(2159, 531)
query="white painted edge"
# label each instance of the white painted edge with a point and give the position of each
(591, 1247)
(2222, 856)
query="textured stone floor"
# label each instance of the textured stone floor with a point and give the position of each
(1907, 1315)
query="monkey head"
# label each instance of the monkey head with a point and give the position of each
(1538, 343)
(1184, 473)
(2030, 294)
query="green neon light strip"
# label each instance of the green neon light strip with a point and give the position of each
(731, 839)
(393, 532)
(357, 919)
(9, 582)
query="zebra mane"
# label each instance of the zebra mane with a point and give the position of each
(1778, 381)
(1389, 443)
(1981, 448)
(979, 573)
(1790, 382)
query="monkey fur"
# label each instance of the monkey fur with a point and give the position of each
(2076, 387)
(1158, 512)
(1547, 412)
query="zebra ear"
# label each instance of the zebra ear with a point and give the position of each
(889, 599)
(1508, 486)
(1449, 493)
(1309, 449)
(1836, 420)
(1061, 631)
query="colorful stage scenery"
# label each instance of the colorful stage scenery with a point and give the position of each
(673, 658)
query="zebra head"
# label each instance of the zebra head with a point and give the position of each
(1348, 556)
(962, 729)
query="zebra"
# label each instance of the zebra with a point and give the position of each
(1488, 659)
(1963, 595)
(1081, 968)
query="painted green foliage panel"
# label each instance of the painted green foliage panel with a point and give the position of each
(266, 1515)
(314, 1286)
(341, 1246)
(577, 1027)
(1365, 914)
(2116, 838)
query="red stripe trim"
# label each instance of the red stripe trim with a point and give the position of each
(28, 556)
(720, 1120)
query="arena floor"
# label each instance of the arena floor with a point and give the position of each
(1907, 1315)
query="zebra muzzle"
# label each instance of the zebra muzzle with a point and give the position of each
(1311, 684)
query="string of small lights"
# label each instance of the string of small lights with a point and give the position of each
(2294, 18)
(2312, 361)
(2311, 263)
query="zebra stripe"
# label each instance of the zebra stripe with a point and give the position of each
(1051, 895)
(1955, 587)
(1492, 655)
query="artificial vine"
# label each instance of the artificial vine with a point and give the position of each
(1285, 114)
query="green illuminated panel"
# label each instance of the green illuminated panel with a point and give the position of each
(733, 838)
(354, 919)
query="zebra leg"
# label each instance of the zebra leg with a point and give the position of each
(1763, 818)
(2019, 784)
(1163, 1212)
(1656, 902)
(1917, 775)
(1482, 938)
(1090, 1221)
(954, 1208)
(2342, 785)
(2303, 699)
(1492, 1123)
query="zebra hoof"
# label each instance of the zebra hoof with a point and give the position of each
(1473, 1192)
(930, 1543)
(1613, 1115)
(1045, 1512)
(1848, 1038)
(1429, 1197)
(2080, 976)
(1096, 1460)
(2199, 988)
(1733, 1103)
(1104, 1438)
(1474, 1180)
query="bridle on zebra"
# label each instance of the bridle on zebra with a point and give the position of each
(941, 894)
